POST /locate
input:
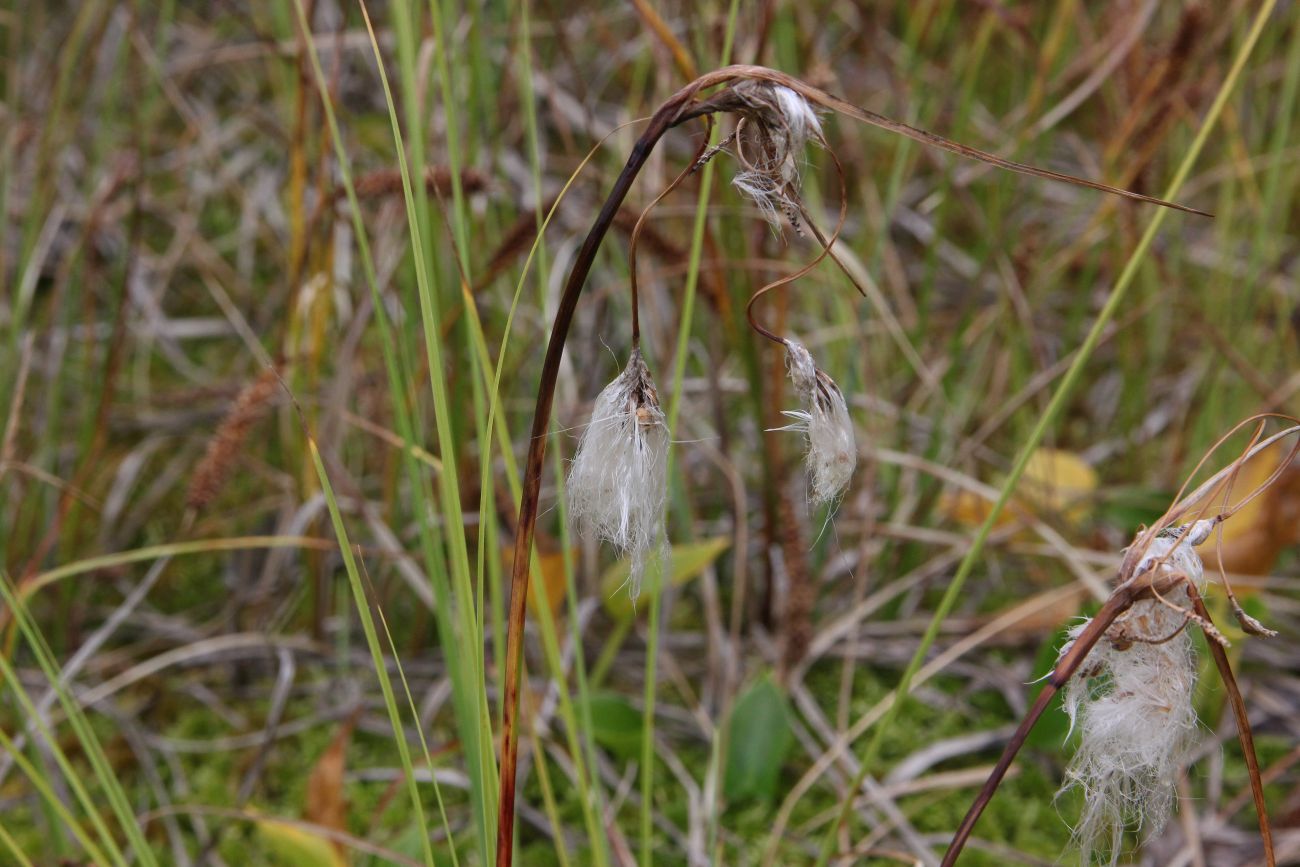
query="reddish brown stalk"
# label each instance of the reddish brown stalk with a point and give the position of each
(1244, 734)
(640, 224)
(677, 110)
(826, 244)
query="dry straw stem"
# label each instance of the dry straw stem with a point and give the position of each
(680, 108)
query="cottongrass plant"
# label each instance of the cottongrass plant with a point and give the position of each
(832, 451)
(618, 483)
(1132, 702)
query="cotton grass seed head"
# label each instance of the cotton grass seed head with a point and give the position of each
(832, 451)
(777, 124)
(618, 482)
(1131, 700)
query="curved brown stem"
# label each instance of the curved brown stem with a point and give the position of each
(1243, 729)
(640, 224)
(826, 245)
(675, 111)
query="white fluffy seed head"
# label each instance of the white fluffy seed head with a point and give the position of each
(1131, 700)
(832, 450)
(618, 481)
(779, 124)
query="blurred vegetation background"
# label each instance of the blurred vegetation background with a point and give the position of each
(203, 213)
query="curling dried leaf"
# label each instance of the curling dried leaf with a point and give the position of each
(1260, 530)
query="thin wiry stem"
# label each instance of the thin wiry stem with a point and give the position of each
(675, 111)
(1244, 734)
(640, 224)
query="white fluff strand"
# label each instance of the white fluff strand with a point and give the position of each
(780, 123)
(618, 481)
(1132, 702)
(832, 451)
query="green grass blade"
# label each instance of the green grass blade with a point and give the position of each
(372, 642)
(104, 773)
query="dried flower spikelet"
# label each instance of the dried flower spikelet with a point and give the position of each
(832, 451)
(1132, 702)
(618, 482)
(779, 123)
(228, 442)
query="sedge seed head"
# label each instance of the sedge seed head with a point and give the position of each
(778, 124)
(617, 484)
(1131, 701)
(824, 421)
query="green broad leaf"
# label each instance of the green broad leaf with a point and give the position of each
(759, 739)
(686, 561)
(616, 725)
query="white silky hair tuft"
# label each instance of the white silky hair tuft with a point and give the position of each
(1131, 699)
(783, 123)
(832, 449)
(618, 481)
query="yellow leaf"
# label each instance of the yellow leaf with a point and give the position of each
(1058, 482)
(551, 581)
(1258, 531)
(294, 846)
(1055, 483)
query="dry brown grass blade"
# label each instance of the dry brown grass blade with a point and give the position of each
(848, 109)
(326, 804)
(681, 57)
(1243, 728)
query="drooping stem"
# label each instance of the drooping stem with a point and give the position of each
(677, 110)
(640, 224)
